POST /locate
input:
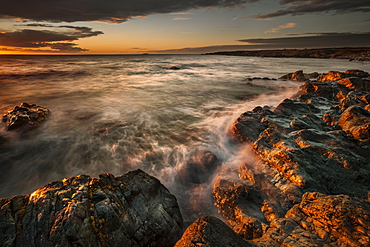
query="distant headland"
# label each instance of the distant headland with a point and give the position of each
(350, 53)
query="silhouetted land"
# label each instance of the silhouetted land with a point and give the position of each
(351, 53)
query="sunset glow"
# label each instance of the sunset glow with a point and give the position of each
(160, 28)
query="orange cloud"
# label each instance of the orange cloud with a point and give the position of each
(277, 29)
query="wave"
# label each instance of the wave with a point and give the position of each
(44, 74)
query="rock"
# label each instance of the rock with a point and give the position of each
(321, 220)
(210, 231)
(134, 209)
(353, 98)
(356, 83)
(199, 168)
(357, 73)
(296, 76)
(172, 67)
(332, 76)
(248, 126)
(25, 117)
(356, 120)
(295, 108)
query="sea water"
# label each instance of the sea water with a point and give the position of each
(113, 114)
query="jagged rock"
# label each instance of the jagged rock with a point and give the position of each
(356, 72)
(356, 83)
(210, 231)
(295, 108)
(250, 204)
(326, 90)
(332, 76)
(134, 209)
(353, 98)
(25, 117)
(248, 126)
(300, 76)
(321, 220)
(356, 120)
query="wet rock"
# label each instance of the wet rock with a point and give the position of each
(356, 120)
(134, 209)
(210, 231)
(25, 117)
(172, 67)
(295, 108)
(200, 166)
(356, 83)
(297, 76)
(353, 98)
(358, 73)
(332, 76)
(321, 220)
(248, 126)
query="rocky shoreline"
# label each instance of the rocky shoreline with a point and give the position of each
(310, 186)
(349, 53)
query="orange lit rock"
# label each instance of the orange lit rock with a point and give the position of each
(210, 231)
(134, 209)
(321, 220)
(356, 83)
(332, 76)
(356, 120)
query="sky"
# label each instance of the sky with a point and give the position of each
(179, 26)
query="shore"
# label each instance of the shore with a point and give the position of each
(350, 53)
(309, 187)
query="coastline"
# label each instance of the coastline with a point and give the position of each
(313, 150)
(349, 53)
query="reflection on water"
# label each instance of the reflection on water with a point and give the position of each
(111, 114)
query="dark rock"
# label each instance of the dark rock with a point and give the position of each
(210, 231)
(25, 117)
(172, 67)
(199, 168)
(356, 120)
(358, 73)
(134, 209)
(248, 126)
(295, 108)
(296, 76)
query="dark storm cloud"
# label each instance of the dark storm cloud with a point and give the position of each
(298, 7)
(314, 40)
(99, 10)
(57, 40)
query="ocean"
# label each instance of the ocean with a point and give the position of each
(113, 114)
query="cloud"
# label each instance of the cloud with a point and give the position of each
(307, 40)
(181, 19)
(277, 29)
(299, 7)
(314, 40)
(114, 11)
(57, 38)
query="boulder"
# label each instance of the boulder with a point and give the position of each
(210, 231)
(25, 117)
(356, 120)
(199, 167)
(134, 209)
(296, 76)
